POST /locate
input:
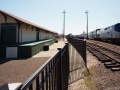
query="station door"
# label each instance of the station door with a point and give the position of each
(8, 32)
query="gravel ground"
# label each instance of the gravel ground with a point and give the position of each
(101, 79)
(80, 84)
(105, 79)
(113, 47)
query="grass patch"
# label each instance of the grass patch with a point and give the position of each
(88, 78)
(88, 81)
(88, 72)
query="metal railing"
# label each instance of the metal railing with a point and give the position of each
(52, 75)
(77, 59)
(80, 46)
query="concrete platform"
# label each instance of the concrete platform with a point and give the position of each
(52, 49)
(18, 70)
(10, 86)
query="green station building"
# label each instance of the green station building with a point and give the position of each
(20, 38)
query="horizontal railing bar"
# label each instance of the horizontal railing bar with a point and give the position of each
(52, 68)
(63, 52)
(63, 47)
(48, 74)
(76, 69)
(35, 75)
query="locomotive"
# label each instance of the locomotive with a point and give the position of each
(70, 35)
(108, 34)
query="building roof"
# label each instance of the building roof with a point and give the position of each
(25, 21)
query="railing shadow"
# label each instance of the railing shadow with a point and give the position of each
(80, 47)
(78, 61)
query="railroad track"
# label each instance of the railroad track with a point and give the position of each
(110, 58)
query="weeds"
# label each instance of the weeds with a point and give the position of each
(88, 79)
(88, 72)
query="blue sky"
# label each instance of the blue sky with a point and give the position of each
(48, 13)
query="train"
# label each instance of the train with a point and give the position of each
(107, 34)
(70, 35)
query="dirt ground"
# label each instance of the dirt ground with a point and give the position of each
(100, 78)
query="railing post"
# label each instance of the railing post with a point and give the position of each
(67, 55)
(64, 67)
(84, 51)
(61, 81)
(46, 71)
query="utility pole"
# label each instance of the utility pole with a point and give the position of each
(87, 22)
(63, 24)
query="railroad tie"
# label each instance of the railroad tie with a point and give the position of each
(115, 69)
(113, 66)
